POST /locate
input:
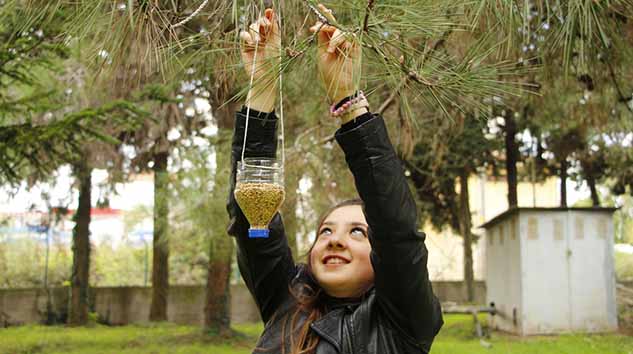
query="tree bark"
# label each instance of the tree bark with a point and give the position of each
(595, 197)
(79, 306)
(512, 155)
(563, 182)
(160, 261)
(217, 317)
(465, 225)
(289, 210)
(217, 309)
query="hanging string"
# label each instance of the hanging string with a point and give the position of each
(281, 104)
(250, 87)
(281, 92)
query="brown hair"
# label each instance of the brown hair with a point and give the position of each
(308, 297)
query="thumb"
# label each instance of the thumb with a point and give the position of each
(337, 39)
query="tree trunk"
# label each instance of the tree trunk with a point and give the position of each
(563, 182)
(217, 309)
(160, 261)
(217, 316)
(512, 155)
(595, 197)
(78, 315)
(465, 225)
(289, 210)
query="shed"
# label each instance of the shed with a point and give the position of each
(551, 270)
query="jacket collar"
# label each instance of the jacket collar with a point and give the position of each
(330, 327)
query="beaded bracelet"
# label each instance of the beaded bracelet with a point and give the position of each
(349, 104)
(347, 99)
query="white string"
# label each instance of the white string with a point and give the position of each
(248, 106)
(281, 96)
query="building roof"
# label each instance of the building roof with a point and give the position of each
(497, 219)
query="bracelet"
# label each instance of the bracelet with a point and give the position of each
(347, 99)
(349, 104)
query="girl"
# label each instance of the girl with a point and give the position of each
(365, 287)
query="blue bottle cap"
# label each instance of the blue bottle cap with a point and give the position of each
(258, 233)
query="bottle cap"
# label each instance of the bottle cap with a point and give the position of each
(258, 233)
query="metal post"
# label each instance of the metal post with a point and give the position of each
(49, 233)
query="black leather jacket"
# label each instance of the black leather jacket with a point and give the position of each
(400, 314)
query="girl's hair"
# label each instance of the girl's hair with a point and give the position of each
(308, 297)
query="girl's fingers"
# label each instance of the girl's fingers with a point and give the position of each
(262, 28)
(247, 39)
(337, 39)
(327, 13)
(265, 26)
(269, 14)
(316, 27)
(325, 33)
(253, 30)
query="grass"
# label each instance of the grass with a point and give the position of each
(456, 337)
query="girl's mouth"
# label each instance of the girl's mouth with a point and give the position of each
(335, 260)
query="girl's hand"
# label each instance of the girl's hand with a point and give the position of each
(262, 36)
(339, 59)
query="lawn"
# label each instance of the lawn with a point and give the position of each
(455, 338)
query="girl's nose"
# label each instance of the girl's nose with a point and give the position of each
(336, 241)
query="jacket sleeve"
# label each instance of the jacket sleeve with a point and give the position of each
(266, 264)
(399, 256)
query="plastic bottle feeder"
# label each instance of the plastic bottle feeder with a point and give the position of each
(259, 191)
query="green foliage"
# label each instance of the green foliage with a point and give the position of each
(388, 30)
(22, 263)
(42, 148)
(623, 266)
(123, 266)
(38, 129)
(436, 166)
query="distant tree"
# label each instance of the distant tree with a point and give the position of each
(440, 169)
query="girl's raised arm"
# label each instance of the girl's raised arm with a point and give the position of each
(399, 256)
(266, 264)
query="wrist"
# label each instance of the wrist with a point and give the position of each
(353, 114)
(263, 101)
(339, 96)
(350, 107)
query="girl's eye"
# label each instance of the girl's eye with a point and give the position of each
(325, 231)
(357, 231)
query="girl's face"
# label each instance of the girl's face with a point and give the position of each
(340, 256)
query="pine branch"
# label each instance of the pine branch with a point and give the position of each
(368, 10)
(614, 80)
(193, 14)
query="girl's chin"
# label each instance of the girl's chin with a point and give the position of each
(332, 280)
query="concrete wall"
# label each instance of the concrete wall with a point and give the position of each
(124, 305)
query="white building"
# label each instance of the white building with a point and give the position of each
(550, 270)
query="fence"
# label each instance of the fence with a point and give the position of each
(125, 305)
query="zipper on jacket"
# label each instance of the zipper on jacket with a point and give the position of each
(352, 336)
